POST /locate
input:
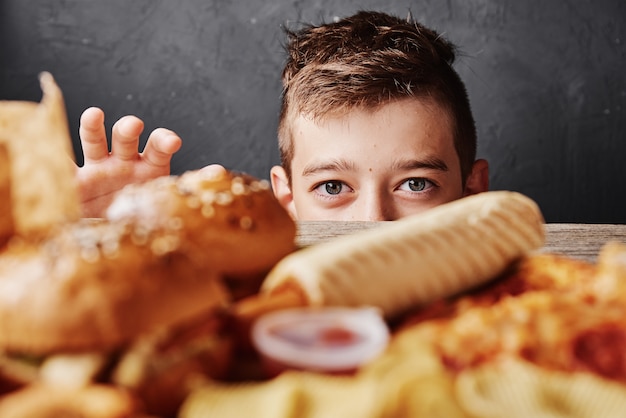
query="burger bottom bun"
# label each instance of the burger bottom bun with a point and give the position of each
(89, 286)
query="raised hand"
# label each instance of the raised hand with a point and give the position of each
(105, 172)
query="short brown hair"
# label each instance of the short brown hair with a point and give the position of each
(365, 61)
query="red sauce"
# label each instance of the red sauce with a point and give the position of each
(334, 340)
(324, 336)
(603, 351)
(321, 337)
(337, 336)
(487, 295)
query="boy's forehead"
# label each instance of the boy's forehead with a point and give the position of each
(344, 110)
(427, 114)
(394, 130)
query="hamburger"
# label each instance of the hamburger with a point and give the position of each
(123, 315)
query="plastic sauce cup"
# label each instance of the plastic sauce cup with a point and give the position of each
(328, 340)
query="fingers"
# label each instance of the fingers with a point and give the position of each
(213, 170)
(125, 138)
(162, 144)
(92, 135)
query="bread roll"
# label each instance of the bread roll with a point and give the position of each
(231, 220)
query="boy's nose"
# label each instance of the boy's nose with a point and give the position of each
(374, 206)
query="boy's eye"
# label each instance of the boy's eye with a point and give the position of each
(416, 184)
(330, 187)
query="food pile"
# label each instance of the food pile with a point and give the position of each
(121, 315)
(152, 310)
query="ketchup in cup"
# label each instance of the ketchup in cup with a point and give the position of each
(328, 340)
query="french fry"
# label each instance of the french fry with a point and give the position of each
(6, 213)
(43, 190)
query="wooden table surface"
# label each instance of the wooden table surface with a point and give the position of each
(581, 241)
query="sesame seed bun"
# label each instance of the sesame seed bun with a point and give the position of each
(232, 220)
(159, 259)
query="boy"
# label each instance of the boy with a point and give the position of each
(375, 124)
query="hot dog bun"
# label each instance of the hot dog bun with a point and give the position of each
(416, 259)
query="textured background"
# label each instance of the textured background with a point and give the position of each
(546, 80)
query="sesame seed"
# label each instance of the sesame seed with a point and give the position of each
(175, 223)
(139, 236)
(246, 222)
(164, 245)
(111, 249)
(259, 185)
(207, 196)
(208, 211)
(193, 202)
(90, 254)
(238, 188)
(224, 198)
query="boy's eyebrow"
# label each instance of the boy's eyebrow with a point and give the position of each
(432, 163)
(334, 165)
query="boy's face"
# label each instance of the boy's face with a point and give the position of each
(384, 164)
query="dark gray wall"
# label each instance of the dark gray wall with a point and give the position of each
(546, 80)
